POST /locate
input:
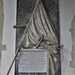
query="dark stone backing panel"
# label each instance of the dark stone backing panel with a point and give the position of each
(24, 12)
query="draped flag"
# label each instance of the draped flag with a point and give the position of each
(40, 34)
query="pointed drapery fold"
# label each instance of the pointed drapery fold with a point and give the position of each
(39, 25)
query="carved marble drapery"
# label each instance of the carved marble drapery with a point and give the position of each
(40, 33)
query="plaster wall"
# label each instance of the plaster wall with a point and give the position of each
(66, 16)
(8, 36)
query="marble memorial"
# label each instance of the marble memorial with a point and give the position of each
(32, 61)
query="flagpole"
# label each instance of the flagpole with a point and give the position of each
(18, 49)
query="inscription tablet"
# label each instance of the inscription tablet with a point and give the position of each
(32, 61)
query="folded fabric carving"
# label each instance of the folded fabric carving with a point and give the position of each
(40, 33)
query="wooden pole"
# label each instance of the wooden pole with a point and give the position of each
(41, 38)
(20, 26)
(21, 40)
(18, 49)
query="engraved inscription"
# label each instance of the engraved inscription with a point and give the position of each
(32, 61)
